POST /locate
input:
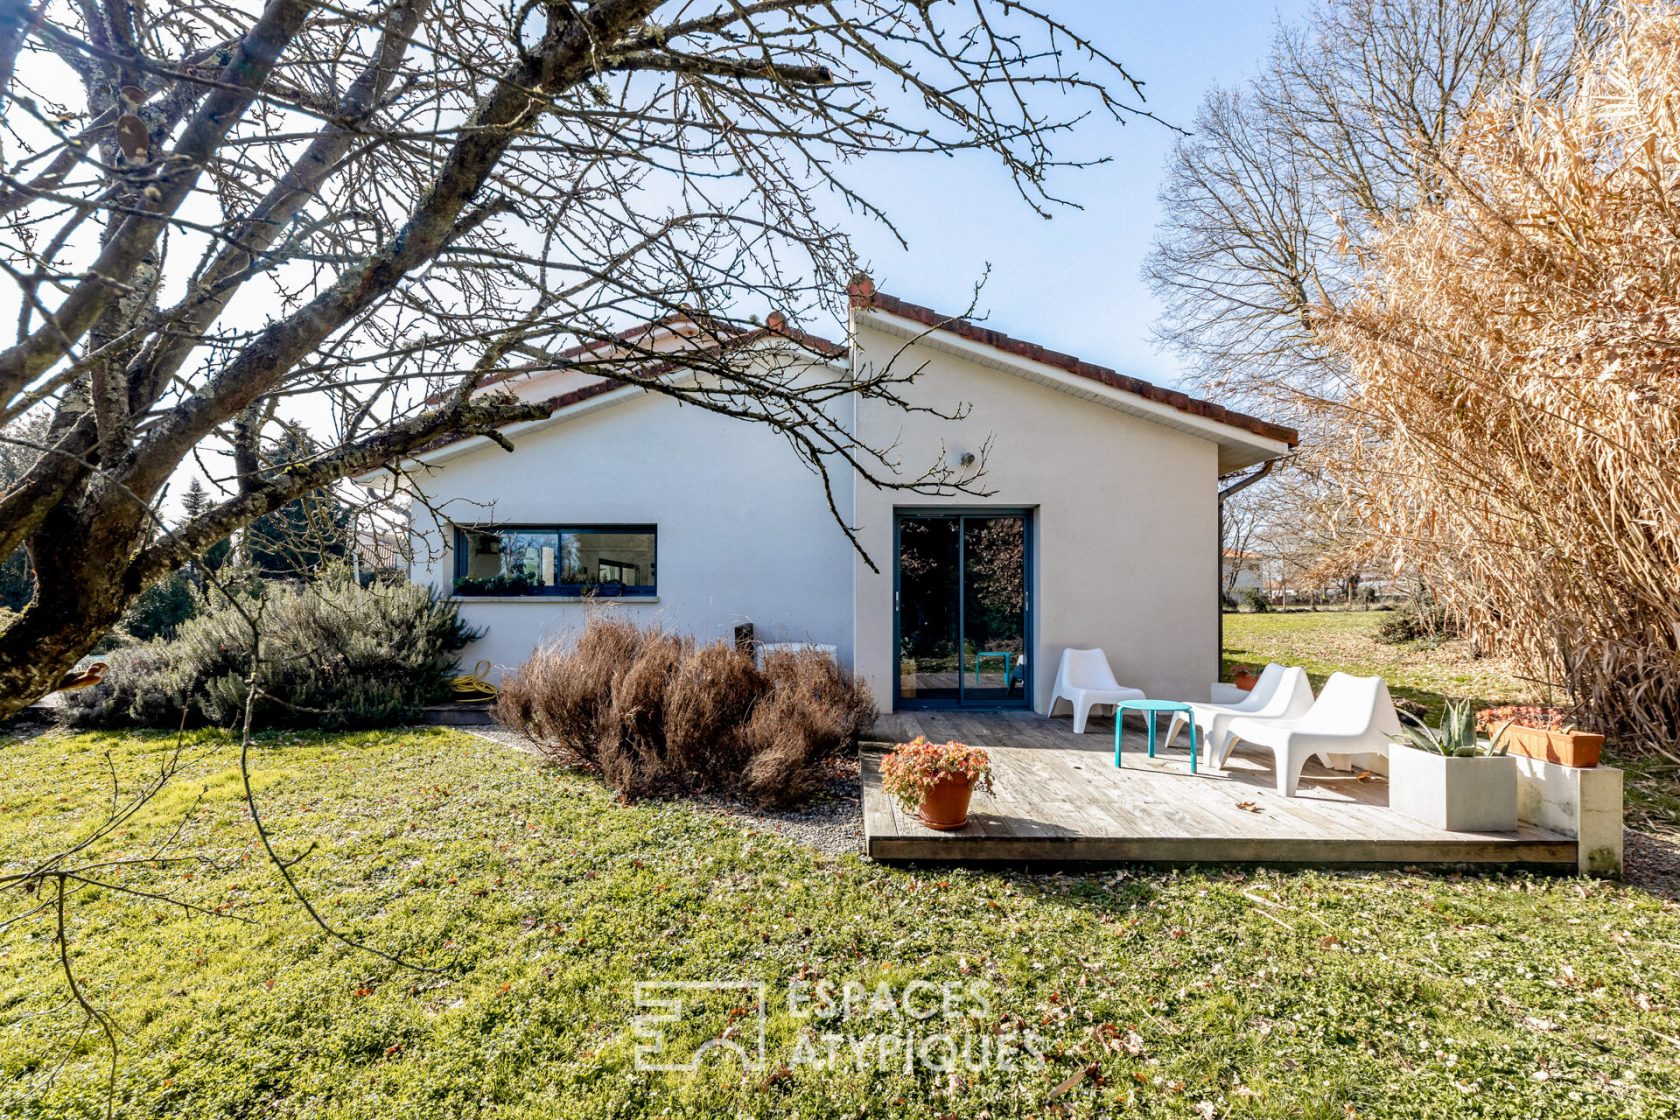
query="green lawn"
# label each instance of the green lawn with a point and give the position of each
(1325, 641)
(542, 900)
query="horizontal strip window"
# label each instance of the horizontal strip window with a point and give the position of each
(562, 560)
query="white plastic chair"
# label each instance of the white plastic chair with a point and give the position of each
(1223, 692)
(1228, 695)
(1280, 693)
(1352, 716)
(1085, 681)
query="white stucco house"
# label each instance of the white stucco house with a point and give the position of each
(1243, 571)
(1099, 528)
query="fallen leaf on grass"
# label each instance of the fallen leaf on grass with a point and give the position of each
(1067, 1085)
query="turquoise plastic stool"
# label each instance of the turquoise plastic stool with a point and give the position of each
(980, 659)
(1151, 709)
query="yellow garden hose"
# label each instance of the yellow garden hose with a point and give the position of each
(473, 687)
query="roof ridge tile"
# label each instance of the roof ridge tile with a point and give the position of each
(866, 296)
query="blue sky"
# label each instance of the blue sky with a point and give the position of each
(1071, 283)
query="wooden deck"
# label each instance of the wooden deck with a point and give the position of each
(1058, 798)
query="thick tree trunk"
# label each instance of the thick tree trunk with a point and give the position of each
(80, 594)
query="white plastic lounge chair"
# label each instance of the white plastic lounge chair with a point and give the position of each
(1085, 680)
(1223, 692)
(1280, 693)
(1352, 716)
(1228, 695)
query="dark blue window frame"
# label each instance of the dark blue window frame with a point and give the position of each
(1029, 620)
(562, 588)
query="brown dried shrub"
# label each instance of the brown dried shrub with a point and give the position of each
(561, 699)
(656, 714)
(525, 699)
(632, 749)
(712, 695)
(811, 712)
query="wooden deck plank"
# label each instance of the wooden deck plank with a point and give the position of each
(1058, 798)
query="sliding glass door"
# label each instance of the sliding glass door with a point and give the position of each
(962, 609)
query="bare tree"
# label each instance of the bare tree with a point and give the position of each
(225, 217)
(1340, 133)
(1238, 519)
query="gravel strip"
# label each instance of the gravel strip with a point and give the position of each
(499, 735)
(831, 822)
(1651, 862)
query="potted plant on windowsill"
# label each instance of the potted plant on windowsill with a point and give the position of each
(495, 586)
(936, 779)
(1544, 733)
(1450, 778)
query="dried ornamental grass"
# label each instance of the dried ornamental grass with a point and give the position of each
(562, 699)
(632, 733)
(1514, 417)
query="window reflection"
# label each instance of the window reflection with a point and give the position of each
(557, 560)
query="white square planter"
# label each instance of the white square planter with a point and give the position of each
(1457, 794)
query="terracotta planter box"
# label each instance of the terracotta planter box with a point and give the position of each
(1567, 748)
(1456, 794)
(946, 805)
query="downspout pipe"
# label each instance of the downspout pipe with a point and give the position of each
(1247, 480)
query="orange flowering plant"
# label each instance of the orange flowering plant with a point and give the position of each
(914, 768)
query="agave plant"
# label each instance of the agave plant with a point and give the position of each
(1456, 735)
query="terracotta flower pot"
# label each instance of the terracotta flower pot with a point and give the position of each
(946, 805)
(1568, 748)
(1245, 679)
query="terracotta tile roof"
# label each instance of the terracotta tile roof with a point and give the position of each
(777, 327)
(865, 295)
(636, 334)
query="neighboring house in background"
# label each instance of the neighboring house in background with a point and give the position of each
(1241, 571)
(1100, 528)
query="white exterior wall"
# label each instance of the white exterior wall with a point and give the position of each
(1124, 519)
(744, 533)
(1124, 531)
